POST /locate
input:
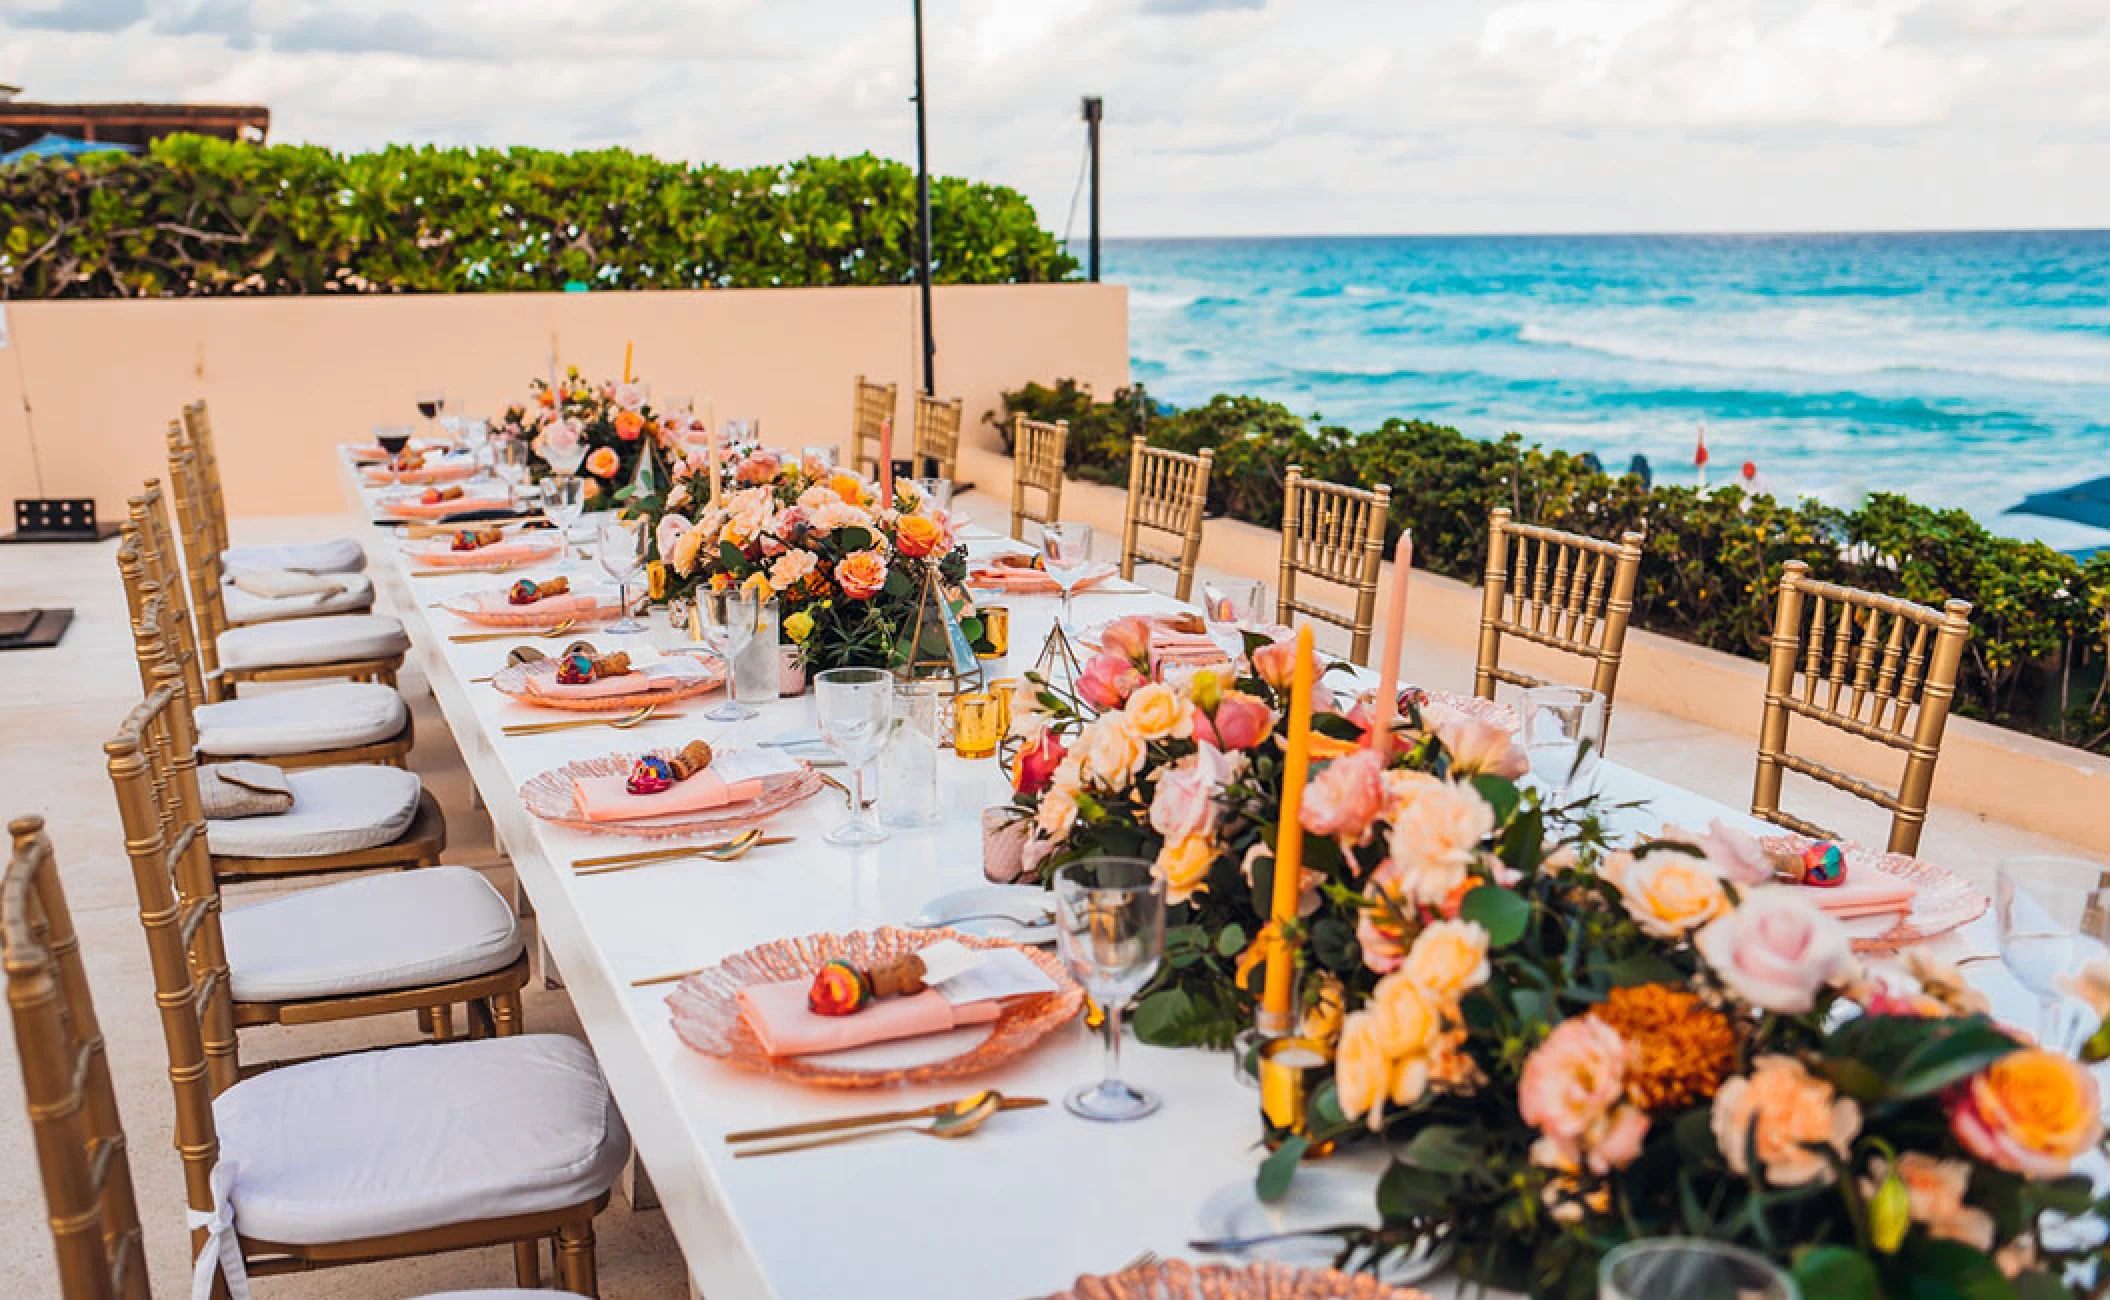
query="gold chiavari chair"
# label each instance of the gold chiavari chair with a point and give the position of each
(1168, 491)
(354, 647)
(872, 405)
(432, 1133)
(327, 724)
(938, 435)
(337, 556)
(1336, 534)
(415, 941)
(80, 1141)
(1037, 451)
(1873, 666)
(254, 848)
(1560, 590)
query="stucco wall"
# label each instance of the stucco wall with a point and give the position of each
(288, 378)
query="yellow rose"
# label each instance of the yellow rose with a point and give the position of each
(799, 626)
(1671, 894)
(1157, 712)
(1362, 1073)
(687, 548)
(1184, 866)
(758, 583)
(849, 487)
(1109, 752)
(1447, 960)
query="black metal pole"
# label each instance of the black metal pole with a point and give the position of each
(930, 343)
(1094, 110)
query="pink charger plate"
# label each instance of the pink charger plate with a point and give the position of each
(549, 795)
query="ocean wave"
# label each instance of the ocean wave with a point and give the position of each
(1838, 357)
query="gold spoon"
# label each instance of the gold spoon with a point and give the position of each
(956, 1121)
(636, 717)
(548, 633)
(733, 848)
(885, 1117)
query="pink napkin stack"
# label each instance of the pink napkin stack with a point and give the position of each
(780, 1018)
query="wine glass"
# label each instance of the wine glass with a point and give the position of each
(509, 457)
(1066, 552)
(1231, 606)
(856, 709)
(476, 432)
(621, 543)
(1110, 921)
(563, 502)
(1689, 1268)
(1563, 733)
(728, 620)
(392, 437)
(431, 401)
(2053, 916)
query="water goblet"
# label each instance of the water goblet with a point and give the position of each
(476, 433)
(563, 503)
(856, 711)
(621, 543)
(564, 455)
(1066, 552)
(727, 620)
(1231, 607)
(1110, 922)
(509, 457)
(2053, 917)
(1690, 1268)
(1563, 733)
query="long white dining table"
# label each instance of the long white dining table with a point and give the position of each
(1035, 1199)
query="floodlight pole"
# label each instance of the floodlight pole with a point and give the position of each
(1094, 110)
(930, 344)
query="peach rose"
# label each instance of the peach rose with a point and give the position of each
(1276, 662)
(917, 536)
(1058, 810)
(1109, 751)
(1408, 1020)
(1435, 839)
(1128, 638)
(603, 462)
(1775, 950)
(2031, 1112)
(757, 468)
(1158, 712)
(834, 516)
(1184, 864)
(1934, 1192)
(862, 574)
(1378, 934)
(1476, 747)
(747, 514)
(1185, 802)
(1239, 722)
(1108, 681)
(1362, 1072)
(1572, 1090)
(1671, 893)
(687, 548)
(1448, 960)
(628, 425)
(792, 568)
(1343, 801)
(1783, 1111)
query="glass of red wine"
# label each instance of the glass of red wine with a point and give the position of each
(431, 401)
(392, 437)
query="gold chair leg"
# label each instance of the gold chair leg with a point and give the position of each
(527, 1263)
(442, 1024)
(576, 1269)
(506, 1016)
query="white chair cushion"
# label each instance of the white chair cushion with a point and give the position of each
(356, 598)
(335, 810)
(418, 1137)
(322, 640)
(332, 715)
(510, 1293)
(369, 935)
(336, 555)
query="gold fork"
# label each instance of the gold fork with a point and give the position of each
(621, 722)
(465, 569)
(738, 847)
(548, 633)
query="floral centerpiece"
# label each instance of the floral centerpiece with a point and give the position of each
(849, 573)
(597, 429)
(1564, 1044)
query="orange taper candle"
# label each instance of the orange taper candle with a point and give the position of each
(626, 363)
(1275, 1018)
(886, 463)
(1387, 703)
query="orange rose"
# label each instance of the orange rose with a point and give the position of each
(603, 462)
(2030, 1112)
(918, 535)
(849, 487)
(861, 575)
(629, 424)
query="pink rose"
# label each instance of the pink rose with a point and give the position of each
(1776, 950)
(1573, 1090)
(1477, 747)
(629, 396)
(1241, 721)
(669, 531)
(1108, 681)
(1343, 801)
(761, 467)
(1384, 946)
(1735, 856)
(1276, 662)
(1128, 638)
(1787, 1116)
(1037, 764)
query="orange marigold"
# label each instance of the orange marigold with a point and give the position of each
(1685, 1047)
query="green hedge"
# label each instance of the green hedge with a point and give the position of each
(198, 217)
(2040, 619)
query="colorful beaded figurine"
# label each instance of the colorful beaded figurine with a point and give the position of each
(527, 591)
(469, 539)
(650, 774)
(432, 496)
(1823, 865)
(577, 667)
(839, 989)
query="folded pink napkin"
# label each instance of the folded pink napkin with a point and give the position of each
(412, 508)
(449, 473)
(571, 604)
(1168, 646)
(1858, 898)
(1030, 582)
(523, 552)
(605, 688)
(606, 798)
(780, 1018)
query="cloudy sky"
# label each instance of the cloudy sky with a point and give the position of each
(1223, 116)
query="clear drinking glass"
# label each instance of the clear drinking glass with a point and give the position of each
(1563, 734)
(1110, 921)
(908, 770)
(2053, 916)
(1066, 552)
(856, 710)
(621, 543)
(509, 458)
(728, 620)
(476, 432)
(563, 503)
(1689, 1268)
(936, 492)
(1230, 606)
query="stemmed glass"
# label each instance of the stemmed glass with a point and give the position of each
(1563, 733)
(856, 709)
(475, 433)
(2053, 916)
(621, 543)
(1066, 552)
(1230, 606)
(509, 457)
(1110, 921)
(393, 438)
(563, 502)
(936, 493)
(564, 461)
(728, 620)
(431, 401)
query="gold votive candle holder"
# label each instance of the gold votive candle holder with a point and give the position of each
(656, 581)
(1005, 689)
(996, 630)
(1291, 1072)
(976, 724)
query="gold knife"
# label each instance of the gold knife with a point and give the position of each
(860, 1121)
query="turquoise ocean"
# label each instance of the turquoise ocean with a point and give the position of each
(1961, 369)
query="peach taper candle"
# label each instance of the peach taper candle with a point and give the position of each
(1275, 1016)
(886, 463)
(1386, 706)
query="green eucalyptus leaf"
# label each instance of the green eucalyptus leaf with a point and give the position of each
(1503, 913)
(1272, 1182)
